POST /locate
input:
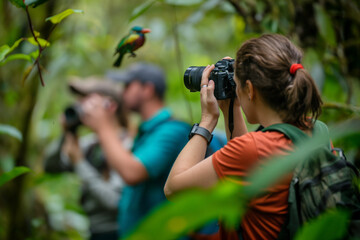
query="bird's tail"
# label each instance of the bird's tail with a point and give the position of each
(118, 61)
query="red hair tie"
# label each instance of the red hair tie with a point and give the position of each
(294, 67)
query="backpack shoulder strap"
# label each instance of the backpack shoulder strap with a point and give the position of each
(296, 135)
(321, 128)
(290, 131)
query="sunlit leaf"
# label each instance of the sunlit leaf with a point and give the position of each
(34, 3)
(36, 33)
(59, 17)
(10, 130)
(183, 2)
(18, 3)
(325, 26)
(16, 44)
(16, 56)
(43, 42)
(5, 177)
(34, 54)
(4, 49)
(138, 11)
(330, 225)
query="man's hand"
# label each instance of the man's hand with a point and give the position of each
(96, 113)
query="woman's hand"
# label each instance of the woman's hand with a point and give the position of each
(209, 105)
(71, 148)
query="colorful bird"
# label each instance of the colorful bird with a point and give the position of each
(131, 42)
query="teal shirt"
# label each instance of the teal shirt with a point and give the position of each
(159, 141)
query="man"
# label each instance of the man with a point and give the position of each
(101, 186)
(158, 142)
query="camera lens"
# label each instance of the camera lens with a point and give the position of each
(192, 78)
(72, 117)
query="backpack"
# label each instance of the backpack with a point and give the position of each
(324, 181)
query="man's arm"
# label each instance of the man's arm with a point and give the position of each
(122, 160)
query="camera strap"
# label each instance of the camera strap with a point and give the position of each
(231, 116)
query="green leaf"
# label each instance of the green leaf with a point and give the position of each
(18, 3)
(34, 3)
(325, 26)
(138, 11)
(4, 50)
(10, 130)
(193, 209)
(183, 2)
(16, 57)
(34, 54)
(4, 178)
(331, 225)
(43, 42)
(59, 17)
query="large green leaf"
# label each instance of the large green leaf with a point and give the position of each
(34, 3)
(5, 177)
(59, 17)
(325, 26)
(10, 130)
(330, 225)
(191, 210)
(18, 3)
(138, 11)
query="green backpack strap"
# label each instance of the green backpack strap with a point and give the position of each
(296, 135)
(292, 132)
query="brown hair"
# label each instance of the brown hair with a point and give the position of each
(266, 62)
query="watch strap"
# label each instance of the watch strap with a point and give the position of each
(197, 130)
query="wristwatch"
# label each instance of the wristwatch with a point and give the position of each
(196, 129)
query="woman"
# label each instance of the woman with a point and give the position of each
(272, 87)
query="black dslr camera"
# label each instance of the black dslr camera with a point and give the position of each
(222, 75)
(72, 117)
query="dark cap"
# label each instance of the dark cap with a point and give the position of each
(144, 73)
(91, 85)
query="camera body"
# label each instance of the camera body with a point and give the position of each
(222, 75)
(72, 117)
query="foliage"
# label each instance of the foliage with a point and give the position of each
(59, 17)
(5, 177)
(35, 40)
(331, 225)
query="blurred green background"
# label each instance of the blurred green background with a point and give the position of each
(184, 33)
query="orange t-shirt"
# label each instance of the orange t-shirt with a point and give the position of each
(266, 214)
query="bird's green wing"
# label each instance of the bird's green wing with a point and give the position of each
(127, 40)
(131, 38)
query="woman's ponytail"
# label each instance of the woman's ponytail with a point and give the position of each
(303, 99)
